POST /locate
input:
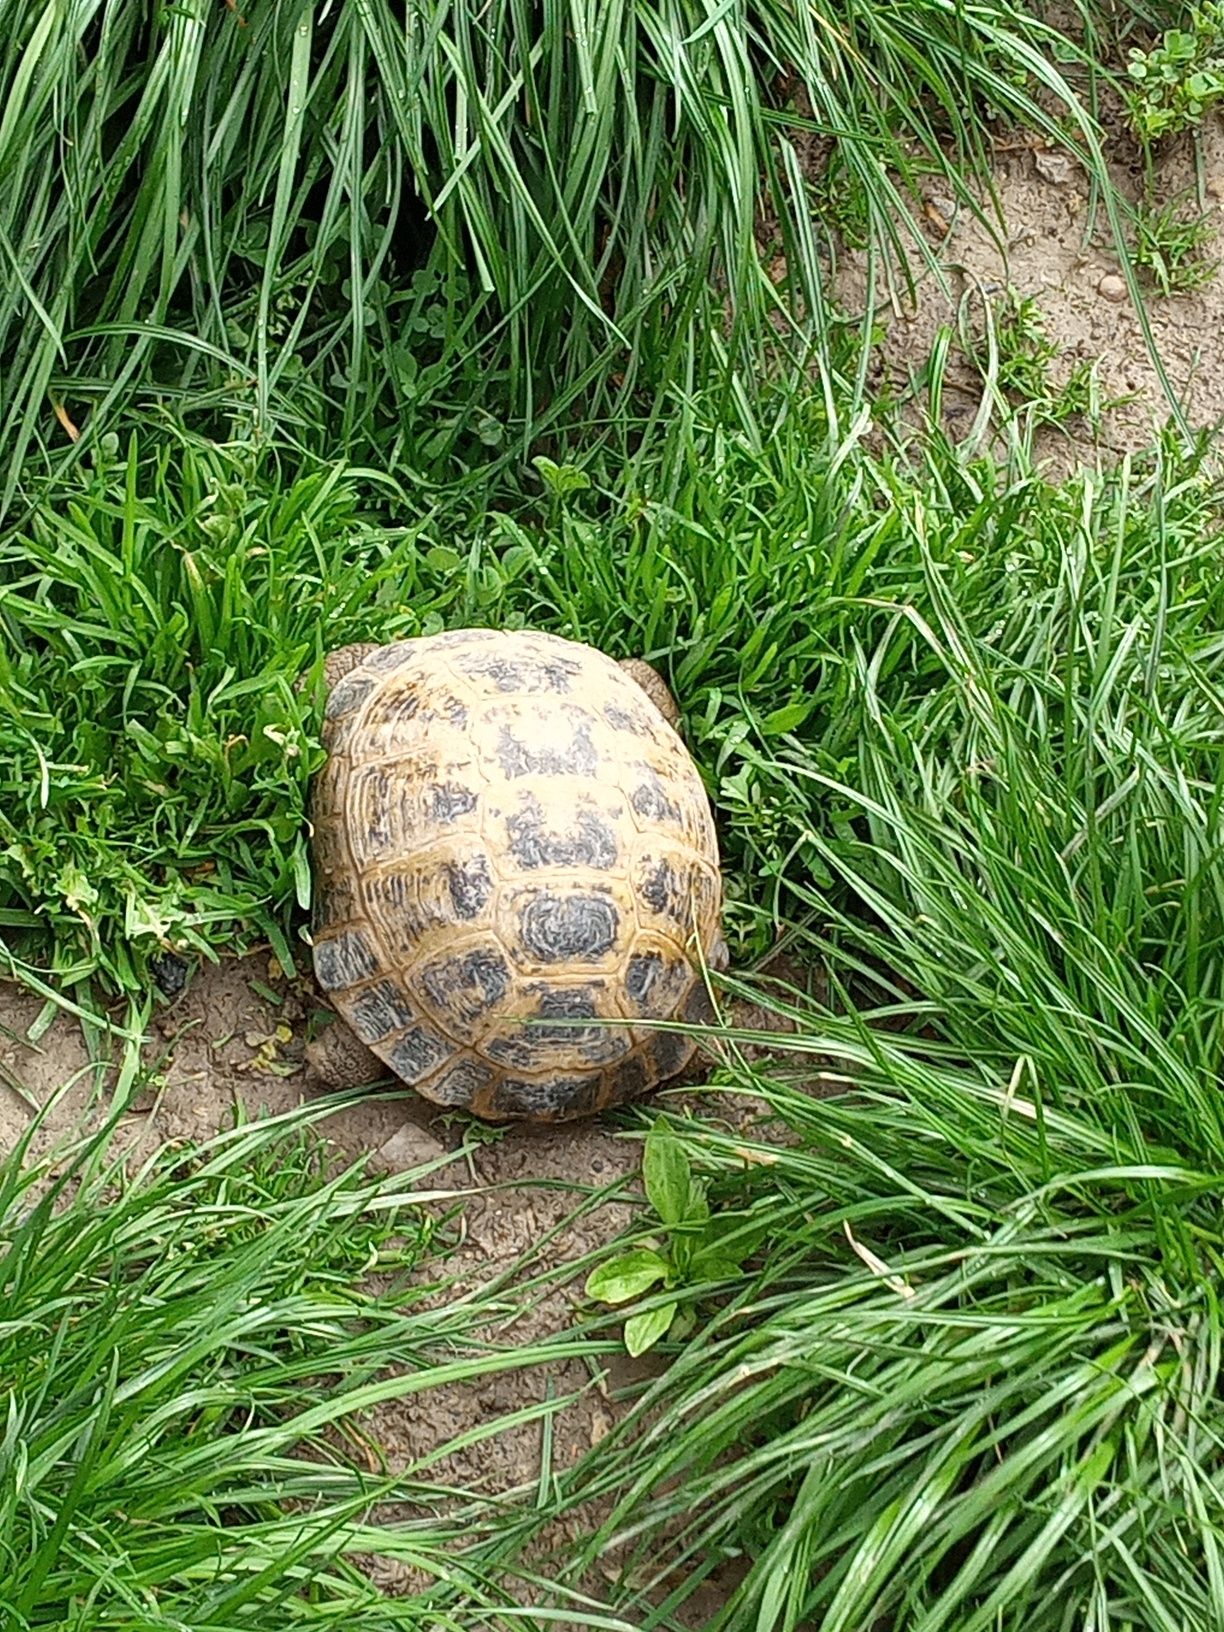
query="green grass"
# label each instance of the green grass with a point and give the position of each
(416, 243)
(190, 1350)
(963, 731)
(1172, 244)
(1001, 1414)
(157, 754)
(158, 613)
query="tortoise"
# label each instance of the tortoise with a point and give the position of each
(511, 849)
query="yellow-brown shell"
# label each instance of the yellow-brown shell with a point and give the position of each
(507, 833)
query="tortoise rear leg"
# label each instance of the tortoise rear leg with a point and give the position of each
(339, 1059)
(339, 663)
(655, 687)
(345, 659)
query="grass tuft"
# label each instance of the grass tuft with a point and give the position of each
(411, 240)
(191, 1349)
(967, 1379)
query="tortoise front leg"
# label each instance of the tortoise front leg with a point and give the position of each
(345, 659)
(339, 1059)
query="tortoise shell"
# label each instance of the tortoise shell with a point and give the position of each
(512, 849)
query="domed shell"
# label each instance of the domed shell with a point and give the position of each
(515, 859)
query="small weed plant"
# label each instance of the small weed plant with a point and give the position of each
(1174, 83)
(1017, 361)
(1171, 246)
(698, 1249)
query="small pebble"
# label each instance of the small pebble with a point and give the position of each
(1112, 287)
(407, 1148)
(940, 211)
(1055, 167)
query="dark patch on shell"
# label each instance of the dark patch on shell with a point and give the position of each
(531, 1048)
(388, 658)
(518, 758)
(698, 1008)
(470, 884)
(371, 797)
(515, 1049)
(530, 675)
(348, 694)
(448, 801)
(343, 961)
(569, 928)
(669, 1051)
(468, 984)
(335, 903)
(378, 1011)
(660, 889)
(460, 1083)
(649, 800)
(393, 707)
(588, 842)
(452, 709)
(418, 1055)
(655, 984)
(627, 719)
(542, 1098)
(393, 898)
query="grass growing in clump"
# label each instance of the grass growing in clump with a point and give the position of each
(190, 1352)
(963, 732)
(156, 754)
(428, 239)
(1171, 246)
(969, 1380)
(158, 614)
(1014, 356)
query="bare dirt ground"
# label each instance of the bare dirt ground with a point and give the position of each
(1056, 249)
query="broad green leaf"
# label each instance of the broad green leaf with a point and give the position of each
(665, 1171)
(711, 1266)
(626, 1277)
(786, 718)
(641, 1331)
(443, 559)
(561, 480)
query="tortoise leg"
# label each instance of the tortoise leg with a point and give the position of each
(655, 687)
(345, 659)
(339, 663)
(339, 1059)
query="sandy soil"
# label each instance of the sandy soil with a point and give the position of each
(1057, 251)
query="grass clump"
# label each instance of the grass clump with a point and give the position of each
(159, 611)
(190, 1348)
(413, 243)
(156, 753)
(1014, 355)
(1171, 246)
(967, 1381)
